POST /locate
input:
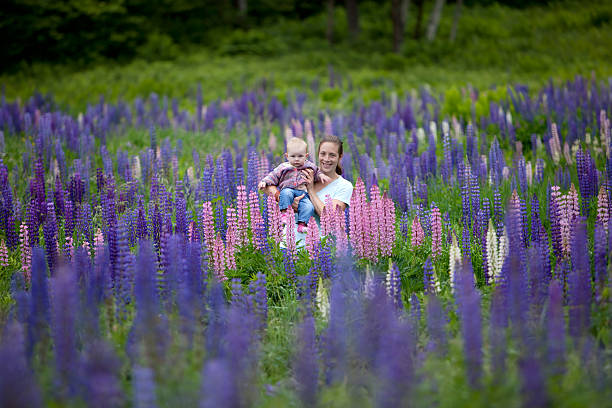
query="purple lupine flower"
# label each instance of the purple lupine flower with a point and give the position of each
(125, 271)
(404, 225)
(498, 321)
(58, 196)
(181, 213)
(289, 264)
(555, 333)
(436, 326)
(64, 305)
(306, 370)
(395, 364)
(538, 282)
(600, 257)
(466, 247)
(497, 211)
(471, 322)
(102, 367)
(143, 387)
(394, 286)
(218, 385)
(429, 279)
(533, 384)
(18, 386)
(50, 234)
(335, 337)
(579, 284)
(260, 297)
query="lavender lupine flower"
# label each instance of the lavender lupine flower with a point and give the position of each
(466, 216)
(394, 286)
(430, 282)
(555, 333)
(436, 326)
(103, 388)
(64, 305)
(600, 257)
(143, 388)
(395, 364)
(306, 371)
(466, 247)
(497, 211)
(50, 234)
(18, 386)
(218, 385)
(579, 285)
(260, 297)
(533, 384)
(471, 323)
(498, 322)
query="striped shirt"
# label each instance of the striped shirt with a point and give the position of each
(287, 176)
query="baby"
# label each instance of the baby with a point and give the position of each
(289, 180)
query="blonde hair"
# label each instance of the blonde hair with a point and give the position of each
(296, 142)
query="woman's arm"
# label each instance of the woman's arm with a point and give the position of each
(272, 191)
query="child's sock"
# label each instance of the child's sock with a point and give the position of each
(302, 227)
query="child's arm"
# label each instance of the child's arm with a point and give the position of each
(273, 178)
(320, 177)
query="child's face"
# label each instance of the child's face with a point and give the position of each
(296, 155)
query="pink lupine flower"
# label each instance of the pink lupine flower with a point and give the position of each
(377, 214)
(313, 239)
(388, 233)
(328, 126)
(263, 166)
(310, 138)
(208, 225)
(4, 260)
(25, 252)
(370, 231)
(340, 233)
(218, 256)
(257, 221)
(603, 208)
(288, 133)
(356, 215)
(297, 128)
(87, 248)
(569, 210)
(436, 231)
(192, 234)
(290, 233)
(327, 217)
(98, 242)
(417, 234)
(69, 248)
(230, 243)
(243, 215)
(274, 220)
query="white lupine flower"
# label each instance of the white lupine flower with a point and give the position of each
(136, 170)
(529, 172)
(506, 172)
(502, 253)
(323, 299)
(421, 135)
(433, 129)
(492, 251)
(445, 127)
(368, 286)
(508, 118)
(454, 257)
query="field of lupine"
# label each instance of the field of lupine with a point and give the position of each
(140, 266)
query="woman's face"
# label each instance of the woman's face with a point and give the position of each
(328, 157)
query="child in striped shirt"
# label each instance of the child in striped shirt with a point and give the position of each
(290, 181)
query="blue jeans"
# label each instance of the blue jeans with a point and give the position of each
(305, 207)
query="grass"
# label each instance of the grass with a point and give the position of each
(495, 45)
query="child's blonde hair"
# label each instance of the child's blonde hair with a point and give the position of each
(296, 142)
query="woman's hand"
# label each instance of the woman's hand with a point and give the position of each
(308, 175)
(296, 202)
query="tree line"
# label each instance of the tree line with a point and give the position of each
(81, 31)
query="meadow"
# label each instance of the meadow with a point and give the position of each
(140, 266)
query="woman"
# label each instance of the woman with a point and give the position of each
(338, 188)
